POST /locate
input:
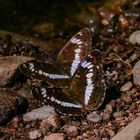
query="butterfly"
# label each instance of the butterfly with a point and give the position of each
(86, 90)
(84, 78)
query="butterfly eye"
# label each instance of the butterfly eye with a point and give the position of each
(45, 71)
(76, 49)
(56, 97)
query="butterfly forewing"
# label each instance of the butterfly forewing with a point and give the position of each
(56, 97)
(75, 50)
(88, 85)
(45, 71)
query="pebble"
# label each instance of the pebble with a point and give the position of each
(96, 131)
(39, 113)
(118, 114)
(135, 37)
(138, 103)
(94, 117)
(130, 132)
(113, 103)
(71, 131)
(107, 112)
(85, 126)
(106, 115)
(136, 74)
(54, 136)
(26, 92)
(109, 108)
(15, 122)
(52, 120)
(35, 134)
(126, 87)
(11, 104)
(110, 132)
(128, 100)
(137, 94)
(132, 91)
(8, 67)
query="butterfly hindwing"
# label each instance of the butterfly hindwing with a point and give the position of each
(76, 49)
(45, 71)
(59, 99)
(88, 85)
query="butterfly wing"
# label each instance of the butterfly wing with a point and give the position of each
(45, 71)
(88, 85)
(75, 50)
(56, 97)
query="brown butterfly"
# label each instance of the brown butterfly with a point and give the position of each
(86, 86)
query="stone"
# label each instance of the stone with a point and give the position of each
(136, 74)
(54, 136)
(137, 94)
(126, 87)
(106, 115)
(71, 131)
(8, 67)
(94, 117)
(110, 132)
(35, 134)
(128, 100)
(107, 112)
(11, 105)
(134, 37)
(118, 114)
(15, 122)
(26, 92)
(130, 132)
(113, 103)
(39, 113)
(109, 108)
(52, 120)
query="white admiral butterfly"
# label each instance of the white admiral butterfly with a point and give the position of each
(86, 86)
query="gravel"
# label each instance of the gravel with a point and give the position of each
(126, 87)
(121, 106)
(8, 67)
(11, 105)
(135, 37)
(94, 117)
(34, 134)
(54, 136)
(39, 113)
(136, 74)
